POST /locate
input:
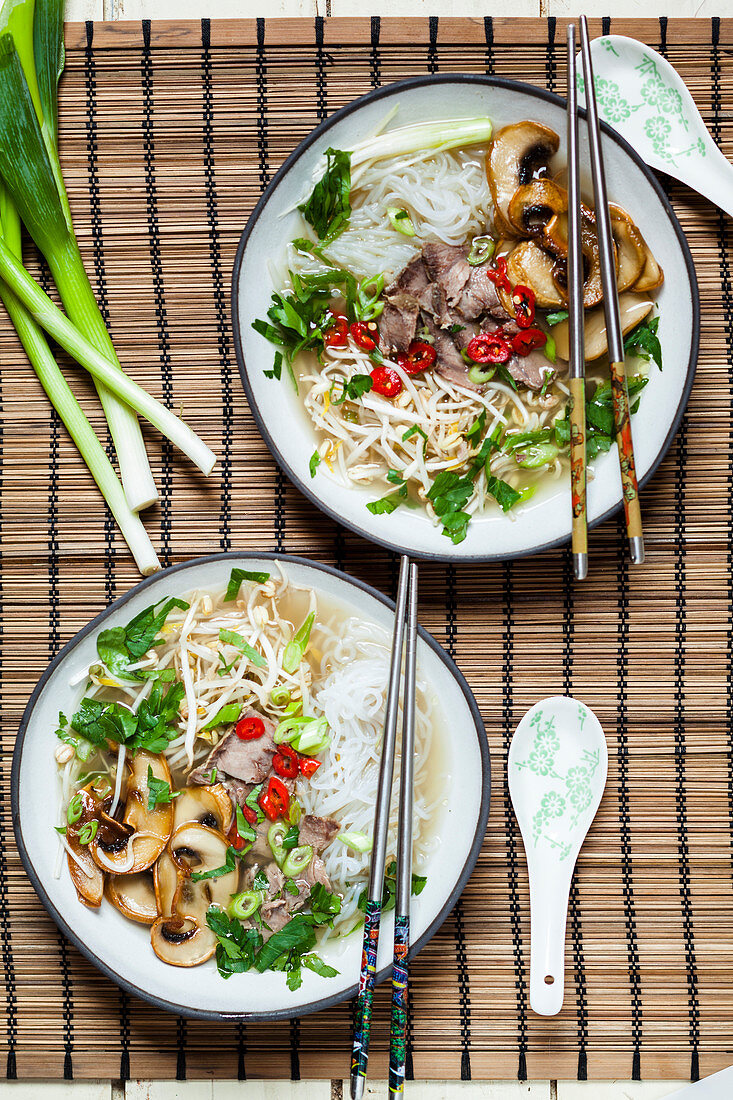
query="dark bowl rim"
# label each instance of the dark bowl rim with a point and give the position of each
(95, 624)
(315, 134)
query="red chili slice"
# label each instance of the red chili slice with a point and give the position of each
(249, 815)
(249, 729)
(285, 762)
(498, 275)
(234, 838)
(386, 380)
(309, 765)
(525, 342)
(276, 800)
(420, 356)
(523, 300)
(489, 347)
(336, 331)
(365, 334)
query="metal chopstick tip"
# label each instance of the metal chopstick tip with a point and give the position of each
(636, 549)
(580, 566)
(357, 1088)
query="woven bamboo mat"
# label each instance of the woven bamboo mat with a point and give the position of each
(169, 132)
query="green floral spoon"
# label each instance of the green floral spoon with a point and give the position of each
(558, 762)
(642, 97)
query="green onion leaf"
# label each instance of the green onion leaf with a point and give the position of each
(225, 716)
(230, 637)
(235, 582)
(400, 220)
(295, 649)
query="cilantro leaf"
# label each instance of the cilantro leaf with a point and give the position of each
(314, 463)
(151, 728)
(122, 646)
(159, 791)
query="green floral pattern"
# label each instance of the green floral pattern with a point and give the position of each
(658, 109)
(565, 798)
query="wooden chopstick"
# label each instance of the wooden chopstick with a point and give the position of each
(616, 355)
(372, 918)
(576, 378)
(398, 1032)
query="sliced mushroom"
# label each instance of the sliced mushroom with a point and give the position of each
(210, 806)
(517, 155)
(87, 877)
(652, 276)
(633, 309)
(151, 829)
(555, 239)
(534, 204)
(181, 935)
(531, 266)
(133, 895)
(182, 941)
(630, 251)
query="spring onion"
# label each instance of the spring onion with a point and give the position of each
(358, 842)
(225, 716)
(279, 696)
(436, 136)
(68, 408)
(57, 325)
(480, 375)
(306, 735)
(31, 61)
(296, 861)
(246, 904)
(275, 836)
(401, 221)
(295, 650)
(74, 811)
(88, 832)
(482, 249)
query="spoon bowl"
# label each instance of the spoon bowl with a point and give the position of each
(645, 100)
(558, 763)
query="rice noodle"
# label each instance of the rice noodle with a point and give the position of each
(344, 680)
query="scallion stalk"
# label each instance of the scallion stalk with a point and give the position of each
(68, 408)
(435, 136)
(57, 325)
(31, 57)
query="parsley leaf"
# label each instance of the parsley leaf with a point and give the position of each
(352, 388)
(556, 318)
(229, 864)
(315, 462)
(151, 728)
(386, 505)
(237, 946)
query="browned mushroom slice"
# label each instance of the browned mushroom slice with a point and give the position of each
(630, 251)
(210, 806)
(652, 276)
(555, 238)
(531, 266)
(181, 935)
(518, 154)
(633, 309)
(133, 895)
(88, 879)
(534, 204)
(151, 829)
(182, 941)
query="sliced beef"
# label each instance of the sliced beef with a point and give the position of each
(446, 265)
(529, 370)
(449, 363)
(248, 761)
(398, 323)
(480, 296)
(316, 872)
(317, 831)
(412, 280)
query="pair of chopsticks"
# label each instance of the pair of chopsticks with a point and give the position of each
(405, 621)
(616, 355)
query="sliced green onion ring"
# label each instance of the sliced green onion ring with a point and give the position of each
(297, 860)
(482, 249)
(358, 842)
(75, 809)
(88, 832)
(480, 375)
(401, 221)
(295, 650)
(247, 903)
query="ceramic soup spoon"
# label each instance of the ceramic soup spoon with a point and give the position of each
(558, 762)
(646, 101)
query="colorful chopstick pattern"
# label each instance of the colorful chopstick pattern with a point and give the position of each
(365, 995)
(398, 1033)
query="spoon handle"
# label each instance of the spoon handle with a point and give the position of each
(715, 181)
(549, 893)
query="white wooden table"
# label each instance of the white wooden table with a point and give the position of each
(337, 1090)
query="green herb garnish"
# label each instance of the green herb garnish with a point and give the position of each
(328, 209)
(230, 637)
(235, 582)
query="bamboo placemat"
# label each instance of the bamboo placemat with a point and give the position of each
(169, 131)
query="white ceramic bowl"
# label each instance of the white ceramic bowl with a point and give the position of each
(120, 948)
(546, 520)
